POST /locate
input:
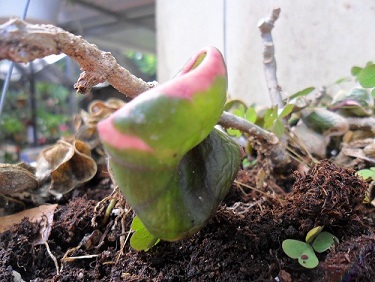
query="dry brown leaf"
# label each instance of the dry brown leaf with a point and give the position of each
(43, 214)
(362, 149)
(15, 178)
(68, 163)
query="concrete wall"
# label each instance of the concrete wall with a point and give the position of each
(316, 42)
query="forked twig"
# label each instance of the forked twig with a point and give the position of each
(24, 42)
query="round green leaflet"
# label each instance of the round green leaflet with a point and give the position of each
(301, 251)
(324, 241)
(308, 259)
(366, 76)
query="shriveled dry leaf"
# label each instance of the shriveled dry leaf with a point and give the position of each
(16, 178)
(315, 142)
(362, 149)
(68, 163)
(43, 214)
(86, 125)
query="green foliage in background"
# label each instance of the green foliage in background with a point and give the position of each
(146, 63)
(365, 76)
(52, 113)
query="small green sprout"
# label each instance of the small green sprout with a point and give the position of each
(311, 235)
(367, 174)
(316, 241)
(141, 239)
(273, 119)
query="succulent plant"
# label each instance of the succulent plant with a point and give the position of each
(356, 102)
(324, 121)
(170, 163)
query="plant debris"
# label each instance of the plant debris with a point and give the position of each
(234, 246)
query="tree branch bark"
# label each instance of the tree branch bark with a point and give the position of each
(228, 120)
(265, 26)
(23, 42)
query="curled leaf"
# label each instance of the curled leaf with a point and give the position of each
(42, 214)
(324, 121)
(356, 102)
(99, 110)
(87, 121)
(16, 178)
(171, 164)
(67, 164)
(314, 142)
(311, 235)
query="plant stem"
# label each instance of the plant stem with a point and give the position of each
(266, 26)
(24, 42)
(229, 120)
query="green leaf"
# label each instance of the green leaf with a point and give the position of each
(373, 93)
(233, 104)
(246, 163)
(366, 174)
(240, 111)
(367, 76)
(286, 110)
(136, 224)
(234, 132)
(278, 128)
(311, 235)
(355, 71)
(324, 241)
(171, 163)
(308, 259)
(141, 240)
(302, 251)
(303, 92)
(251, 115)
(341, 80)
(294, 248)
(269, 117)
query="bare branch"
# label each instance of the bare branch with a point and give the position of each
(228, 120)
(261, 139)
(270, 67)
(24, 42)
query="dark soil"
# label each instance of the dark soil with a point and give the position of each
(242, 242)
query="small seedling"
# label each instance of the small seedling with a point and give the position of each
(141, 240)
(316, 241)
(367, 174)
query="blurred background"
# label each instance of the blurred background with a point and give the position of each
(316, 44)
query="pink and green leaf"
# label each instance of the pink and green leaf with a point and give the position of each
(171, 164)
